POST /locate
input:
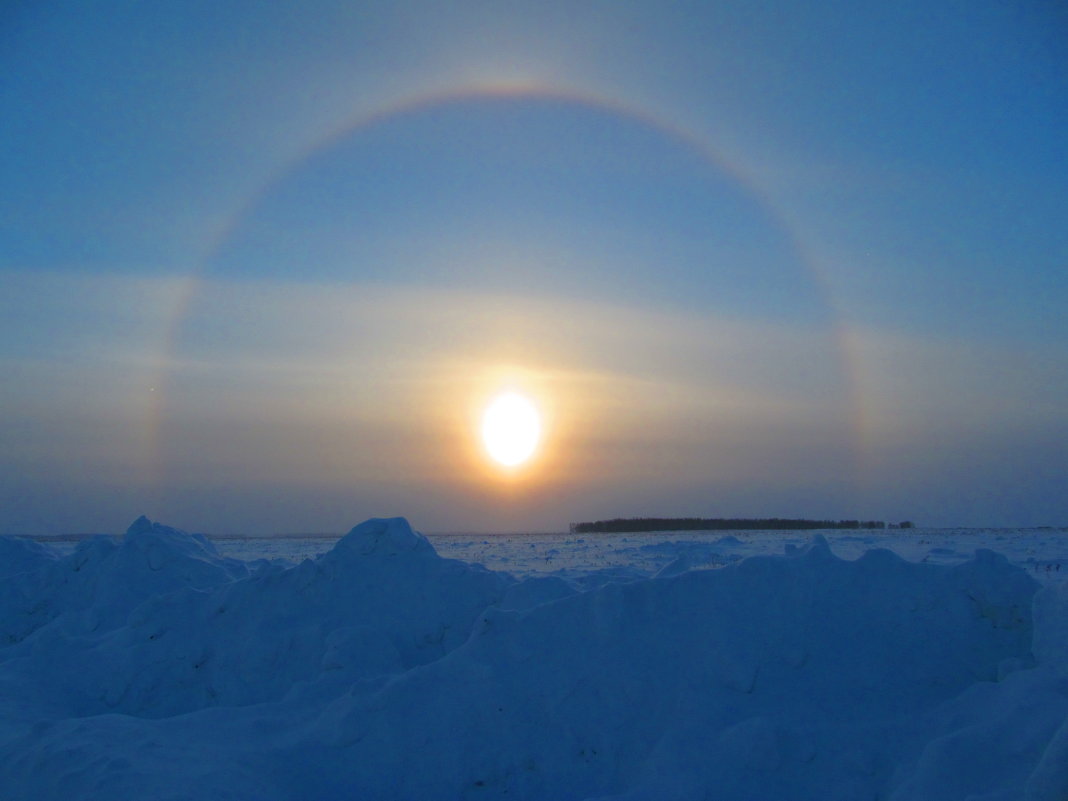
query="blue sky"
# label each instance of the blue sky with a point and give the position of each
(263, 264)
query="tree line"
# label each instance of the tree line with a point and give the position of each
(635, 524)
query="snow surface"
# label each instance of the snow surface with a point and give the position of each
(583, 557)
(153, 667)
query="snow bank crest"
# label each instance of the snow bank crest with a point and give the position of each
(141, 525)
(153, 537)
(19, 555)
(818, 549)
(389, 536)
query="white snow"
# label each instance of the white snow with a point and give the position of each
(152, 667)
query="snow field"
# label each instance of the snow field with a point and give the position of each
(153, 667)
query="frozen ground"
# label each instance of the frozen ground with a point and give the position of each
(1041, 552)
(160, 665)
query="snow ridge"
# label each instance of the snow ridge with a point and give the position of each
(151, 667)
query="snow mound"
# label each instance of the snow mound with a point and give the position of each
(1004, 740)
(774, 678)
(96, 587)
(383, 537)
(382, 670)
(20, 555)
(381, 601)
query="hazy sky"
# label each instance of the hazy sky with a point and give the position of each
(263, 264)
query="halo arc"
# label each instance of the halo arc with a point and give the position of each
(413, 104)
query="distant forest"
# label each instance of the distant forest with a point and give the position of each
(723, 524)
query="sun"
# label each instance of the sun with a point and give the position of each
(511, 428)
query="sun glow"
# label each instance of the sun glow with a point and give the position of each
(511, 428)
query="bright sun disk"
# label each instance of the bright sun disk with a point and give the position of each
(511, 427)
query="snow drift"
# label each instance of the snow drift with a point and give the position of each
(151, 667)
